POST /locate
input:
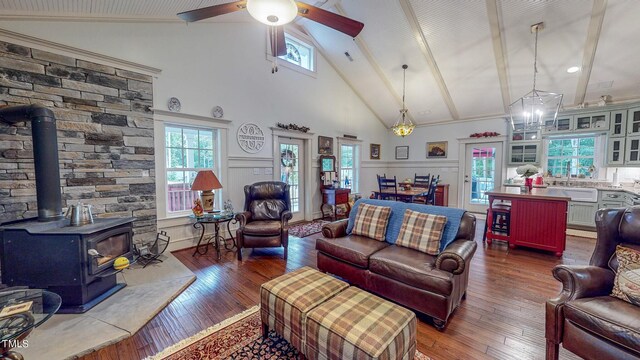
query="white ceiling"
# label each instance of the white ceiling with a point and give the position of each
(467, 58)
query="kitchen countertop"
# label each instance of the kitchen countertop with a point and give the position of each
(536, 193)
(628, 189)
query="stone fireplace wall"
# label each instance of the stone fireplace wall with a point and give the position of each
(105, 136)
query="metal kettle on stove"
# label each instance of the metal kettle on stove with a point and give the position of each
(79, 214)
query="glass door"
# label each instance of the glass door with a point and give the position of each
(483, 174)
(292, 172)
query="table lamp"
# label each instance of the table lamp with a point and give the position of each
(206, 181)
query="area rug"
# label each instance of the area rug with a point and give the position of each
(238, 337)
(307, 229)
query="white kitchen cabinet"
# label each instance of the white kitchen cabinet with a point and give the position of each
(618, 120)
(632, 153)
(564, 124)
(592, 122)
(524, 153)
(615, 150)
(633, 121)
(582, 213)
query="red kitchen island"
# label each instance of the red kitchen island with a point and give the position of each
(537, 219)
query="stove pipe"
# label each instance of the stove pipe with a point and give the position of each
(45, 156)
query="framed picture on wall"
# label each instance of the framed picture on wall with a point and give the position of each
(402, 152)
(437, 149)
(325, 145)
(374, 151)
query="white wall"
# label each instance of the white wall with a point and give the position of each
(447, 168)
(208, 64)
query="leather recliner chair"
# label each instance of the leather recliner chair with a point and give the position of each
(584, 317)
(265, 220)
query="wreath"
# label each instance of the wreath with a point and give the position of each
(287, 158)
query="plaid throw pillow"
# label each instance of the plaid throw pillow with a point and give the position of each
(421, 231)
(626, 285)
(371, 221)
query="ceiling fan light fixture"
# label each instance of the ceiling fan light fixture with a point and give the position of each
(403, 126)
(273, 12)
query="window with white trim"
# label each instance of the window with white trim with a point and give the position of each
(299, 53)
(575, 155)
(188, 150)
(349, 167)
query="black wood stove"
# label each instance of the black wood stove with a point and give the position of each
(47, 252)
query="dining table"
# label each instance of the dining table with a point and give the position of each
(408, 195)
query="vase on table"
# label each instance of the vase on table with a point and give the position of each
(528, 184)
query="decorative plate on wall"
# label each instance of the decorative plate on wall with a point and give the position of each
(218, 112)
(174, 104)
(250, 138)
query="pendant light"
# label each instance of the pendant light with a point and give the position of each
(403, 126)
(538, 108)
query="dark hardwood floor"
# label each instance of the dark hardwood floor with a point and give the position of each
(502, 317)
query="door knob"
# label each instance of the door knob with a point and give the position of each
(466, 181)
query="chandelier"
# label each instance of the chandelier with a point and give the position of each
(537, 108)
(403, 126)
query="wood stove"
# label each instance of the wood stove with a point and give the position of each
(55, 256)
(48, 253)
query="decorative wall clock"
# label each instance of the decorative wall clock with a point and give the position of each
(174, 104)
(250, 138)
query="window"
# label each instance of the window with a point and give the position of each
(188, 150)
(299, 53)
(571, 155)
(348, 167)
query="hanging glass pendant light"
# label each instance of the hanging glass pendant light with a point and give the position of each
(537, 108)
(403, 126)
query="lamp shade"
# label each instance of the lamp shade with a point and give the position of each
(206, 180)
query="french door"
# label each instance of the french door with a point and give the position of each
(291, 170)
(483, 173)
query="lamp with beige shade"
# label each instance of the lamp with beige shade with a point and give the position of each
(206, 181)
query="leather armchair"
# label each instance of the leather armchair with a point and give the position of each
(265, 220)
(584, 318)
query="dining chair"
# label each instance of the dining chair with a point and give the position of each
(385, 183)
(421, 181)
(431, 195)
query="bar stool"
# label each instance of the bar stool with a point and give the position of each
(500, 216)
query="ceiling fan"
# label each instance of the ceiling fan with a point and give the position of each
(277, 13)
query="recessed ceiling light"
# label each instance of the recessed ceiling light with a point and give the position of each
(573, 69)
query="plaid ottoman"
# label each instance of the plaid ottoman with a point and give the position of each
(357, 325)
(286, 300)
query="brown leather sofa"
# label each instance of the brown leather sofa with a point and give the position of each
(432, 285)
(584, 318)
(265, 220)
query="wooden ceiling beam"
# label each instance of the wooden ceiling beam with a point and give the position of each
(499, 53)
(590, 47)
(431, 61)
(364, 49)
(344, 78)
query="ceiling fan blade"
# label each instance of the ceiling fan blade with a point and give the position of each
(211, 11)
(332, 20)
(278, 46)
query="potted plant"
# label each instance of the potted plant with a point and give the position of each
(527, 171)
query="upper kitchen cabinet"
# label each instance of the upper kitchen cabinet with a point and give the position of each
(563, 124)
(632, 156)
(633, 121)
(524, 153)
(519, 133)
(592, 122)
(618, 127)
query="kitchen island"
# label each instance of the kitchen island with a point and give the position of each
(537, 219)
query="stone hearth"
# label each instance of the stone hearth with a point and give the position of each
(148, 291)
